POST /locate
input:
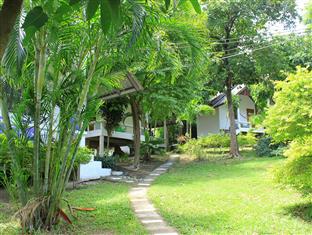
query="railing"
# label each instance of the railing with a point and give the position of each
(242, 125)
(93, 126)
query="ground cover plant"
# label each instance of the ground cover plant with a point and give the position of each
(215, 146)
(113, 212)
(230, 197)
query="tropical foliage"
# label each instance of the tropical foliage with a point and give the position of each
(297, 171)
(289, 120)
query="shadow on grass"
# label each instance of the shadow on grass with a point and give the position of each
(302, 211)
(213, 223)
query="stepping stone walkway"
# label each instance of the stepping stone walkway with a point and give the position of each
(144, 209)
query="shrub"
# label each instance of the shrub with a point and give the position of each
(193, 147)
(215, 141)
(297, 171)
(248, 140)
(196, 147)
(290, 117)
(84, 156)
(108, 161)
(263, 147)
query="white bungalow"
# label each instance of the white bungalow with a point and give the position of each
(219, 120)
(95, 137)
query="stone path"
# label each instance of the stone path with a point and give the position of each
(144, 209)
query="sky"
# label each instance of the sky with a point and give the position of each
(279, 28)
(301, 5)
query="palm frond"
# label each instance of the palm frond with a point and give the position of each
(139, 15)
(15, 54)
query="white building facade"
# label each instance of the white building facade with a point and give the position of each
(219, 120)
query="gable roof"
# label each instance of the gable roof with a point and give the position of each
(128, 85)
(220, 98)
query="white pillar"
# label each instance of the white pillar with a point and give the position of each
(238, 115)
(101, 140)
(83, 141)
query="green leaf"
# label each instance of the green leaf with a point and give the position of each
(196, 5)
(73, 2)
(167, 4)
(109, 13)
(92, 7)
(35, 18)
(61, 11)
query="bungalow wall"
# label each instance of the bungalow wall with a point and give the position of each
(208, 124)
(245, 103)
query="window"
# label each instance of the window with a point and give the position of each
(250, 113)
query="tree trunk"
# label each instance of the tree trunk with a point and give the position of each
(108, 139)
(166, 139)
(186, 128)
(136, 132)
(234, 150)
(8, 15)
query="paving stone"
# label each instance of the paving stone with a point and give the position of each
(144, 209)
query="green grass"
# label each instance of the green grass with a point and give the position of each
(230, 197)
(113, 214)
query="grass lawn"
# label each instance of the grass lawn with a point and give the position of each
(230, 197)
(113, 214)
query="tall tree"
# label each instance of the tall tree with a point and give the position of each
(69, 57)
(235, 28)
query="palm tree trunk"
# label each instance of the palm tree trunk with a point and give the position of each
(49, 149)
(39, 83)
(136, 131)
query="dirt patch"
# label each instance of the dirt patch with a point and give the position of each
(4, 197)
(145, 167)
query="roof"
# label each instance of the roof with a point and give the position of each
(220, 98)
(128, 85)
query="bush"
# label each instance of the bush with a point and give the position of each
(215, 141)
(108, 161)
(193, 147)
(248, 140)
(84, 156)
(297, 171)
(263, 147)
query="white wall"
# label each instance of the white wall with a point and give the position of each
(93, 170)
(224, 118)
(245, 103)
(208, 124)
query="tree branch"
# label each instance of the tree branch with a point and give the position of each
(8, 15)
